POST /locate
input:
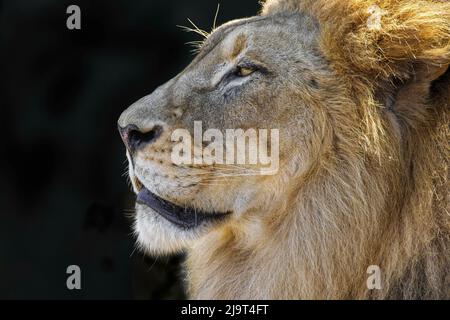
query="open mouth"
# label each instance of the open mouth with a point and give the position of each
(186, 218)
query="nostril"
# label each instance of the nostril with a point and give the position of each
(134, 138)
(139, 138)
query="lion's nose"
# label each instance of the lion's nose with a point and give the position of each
(135, 138)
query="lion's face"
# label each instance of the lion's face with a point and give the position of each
(247, 75)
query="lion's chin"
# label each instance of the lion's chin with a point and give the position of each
(162, 227)
(157, 235)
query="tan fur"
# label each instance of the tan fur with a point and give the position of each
(239, 45)
(408, 235)
(364, 183)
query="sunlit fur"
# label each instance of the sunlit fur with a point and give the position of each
(363, 158)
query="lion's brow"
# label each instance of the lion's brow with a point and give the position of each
(220, 34)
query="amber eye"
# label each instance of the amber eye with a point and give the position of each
(244, 71)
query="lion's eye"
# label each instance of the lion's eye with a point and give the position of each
(244, 71)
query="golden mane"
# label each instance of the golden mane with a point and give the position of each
(380, 193)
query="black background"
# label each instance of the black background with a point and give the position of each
(63, 196)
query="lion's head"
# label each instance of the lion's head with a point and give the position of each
(247, 75)
(353, 96)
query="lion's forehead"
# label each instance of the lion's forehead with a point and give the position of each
(261, 34)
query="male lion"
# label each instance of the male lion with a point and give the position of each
(359, 91)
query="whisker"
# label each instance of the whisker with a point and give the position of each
(196, 46)
(202, 32)
(234, 166)
(215, 16)
(196, 29)
(132, 252)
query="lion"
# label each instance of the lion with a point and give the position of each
(362, 107)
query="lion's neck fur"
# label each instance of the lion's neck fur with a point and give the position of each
(346, 217)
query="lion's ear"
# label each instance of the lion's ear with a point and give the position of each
(429, 73)
(412, 39)
(410, 95)
(407, 41)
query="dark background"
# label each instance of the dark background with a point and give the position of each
(63, 196)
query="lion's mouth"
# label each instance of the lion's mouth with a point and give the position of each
(186, 218)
